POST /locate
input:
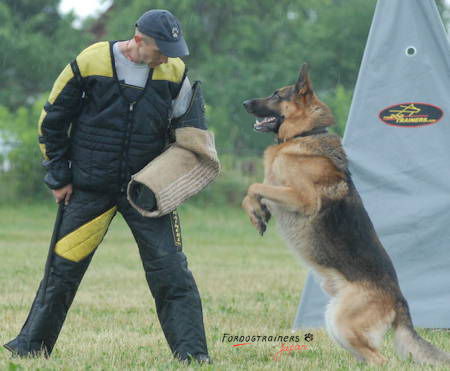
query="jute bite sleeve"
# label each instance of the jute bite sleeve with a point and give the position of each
(184, 169)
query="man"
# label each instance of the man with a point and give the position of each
(116, 100)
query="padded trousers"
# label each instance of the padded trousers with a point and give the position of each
(84, 224)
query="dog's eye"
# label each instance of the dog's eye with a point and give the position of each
(276, 96)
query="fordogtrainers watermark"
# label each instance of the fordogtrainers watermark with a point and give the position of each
(286, 348)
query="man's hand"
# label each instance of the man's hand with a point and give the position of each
(63, 193)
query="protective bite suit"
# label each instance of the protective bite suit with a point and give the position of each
(115, 130)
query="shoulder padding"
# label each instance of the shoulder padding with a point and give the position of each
(172, 71)
(96, 60)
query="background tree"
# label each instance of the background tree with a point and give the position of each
(23, 178)
(36, 43)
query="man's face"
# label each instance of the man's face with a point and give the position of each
(148, 51)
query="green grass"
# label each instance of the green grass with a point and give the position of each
(249, 285)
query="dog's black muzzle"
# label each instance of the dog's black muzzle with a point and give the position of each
(267, 120)
(247, 104)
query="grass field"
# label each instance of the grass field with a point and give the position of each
(249, 286)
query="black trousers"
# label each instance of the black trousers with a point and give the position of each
(85, 222)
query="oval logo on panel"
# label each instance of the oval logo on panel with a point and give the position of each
(410, 115)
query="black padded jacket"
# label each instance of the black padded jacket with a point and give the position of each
(94, 131)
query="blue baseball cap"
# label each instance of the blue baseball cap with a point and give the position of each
(165, 28)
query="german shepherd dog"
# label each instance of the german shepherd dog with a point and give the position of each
(309, 189)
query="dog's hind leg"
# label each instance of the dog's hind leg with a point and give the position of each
(358, 320)
(332, 330)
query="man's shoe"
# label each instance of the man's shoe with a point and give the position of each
(16, 352)
(12, 347)
(199, 358)
(203, 358)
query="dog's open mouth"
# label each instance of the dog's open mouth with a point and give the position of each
(267, 124)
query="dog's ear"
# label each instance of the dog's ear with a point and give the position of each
(303, 85)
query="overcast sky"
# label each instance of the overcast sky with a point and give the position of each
(83, 8)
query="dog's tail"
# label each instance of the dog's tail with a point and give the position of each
(409, 343)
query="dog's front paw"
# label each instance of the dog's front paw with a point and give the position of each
(259, 214)
(259, 223)
(265, 212)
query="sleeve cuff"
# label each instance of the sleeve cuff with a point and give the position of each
(58, 176)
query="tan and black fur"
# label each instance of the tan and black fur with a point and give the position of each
(308, 187)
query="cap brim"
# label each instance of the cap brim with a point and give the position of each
(173, 49)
